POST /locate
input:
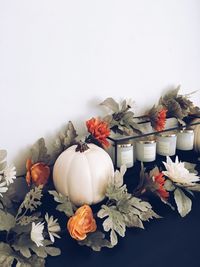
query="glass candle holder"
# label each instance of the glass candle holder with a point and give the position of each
(166, 144)
(125, 155)
(146, 150)
(185, 139)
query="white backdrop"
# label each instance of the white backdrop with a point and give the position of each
(60, 58)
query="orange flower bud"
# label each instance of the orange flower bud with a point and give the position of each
(81, 223)
(37, 173)
(161, 120)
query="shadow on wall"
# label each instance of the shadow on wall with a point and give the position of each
(91, 107)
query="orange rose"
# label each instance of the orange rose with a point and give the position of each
(37, 173)
(81, 223)
(99, 130)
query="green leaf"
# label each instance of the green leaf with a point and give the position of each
(111, 104)
(52, 251)
(184, 203)
(171, 94)
(33, 261)
(115, 193)
(7, 221)
(39, 152)
(23, 245)
(132, 220)
(25, 220)
(169, 186)
(3, 165)
(32, 199)
(6, 255)
(96, 241)
(195, 187)
(190, 167)
(3, 155)
(66, 205)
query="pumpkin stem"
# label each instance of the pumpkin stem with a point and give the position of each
(81, 147)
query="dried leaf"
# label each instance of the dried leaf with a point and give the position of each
(39, 152)
(65, 139)
(96, 241)
(184, 203)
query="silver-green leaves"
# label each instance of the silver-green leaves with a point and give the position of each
(96, 241)
(184, 203)
(39, 152)
(123, 209)
(65, 139)
(121, 120)
(65, 205)
(7, 221)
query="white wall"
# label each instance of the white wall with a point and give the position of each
(60, 58)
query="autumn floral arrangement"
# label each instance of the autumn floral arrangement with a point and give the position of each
(28, 232)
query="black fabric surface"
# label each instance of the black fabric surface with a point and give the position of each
(171, 241)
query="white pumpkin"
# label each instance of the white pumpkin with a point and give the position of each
(83, 176)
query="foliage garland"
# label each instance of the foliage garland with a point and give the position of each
(27, 235)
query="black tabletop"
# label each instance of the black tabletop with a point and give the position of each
(171, 241)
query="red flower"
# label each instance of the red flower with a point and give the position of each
(161, 120)
(160, 190)
(99, 130)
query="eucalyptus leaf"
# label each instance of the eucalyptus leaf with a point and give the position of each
(184, 203)
(7, 221)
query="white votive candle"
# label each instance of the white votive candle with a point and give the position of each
(185, 139)
(166, 144)
(146, 150)
(125, 156)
